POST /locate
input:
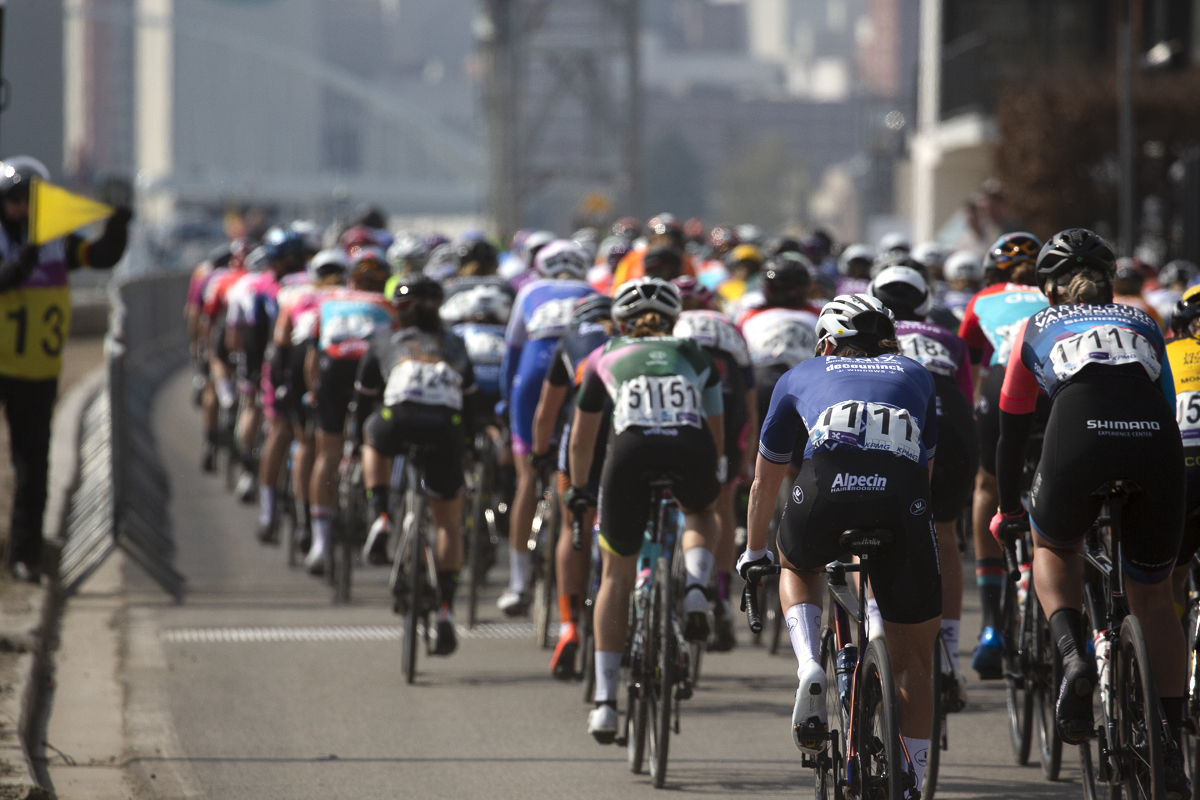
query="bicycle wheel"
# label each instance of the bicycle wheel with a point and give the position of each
(831, 768)
(544, 596)
(477, 529)
(353, 505)
(1191, 744)
(1138, 719)
(1019, 628)
(639, 665)
(665, 650)
(1045, 668)
(880, 772)
(938, 735)
(587, 635)
(416, 584)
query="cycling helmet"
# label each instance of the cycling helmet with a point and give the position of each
(723, 237)
(745, 252)
(358, 236)
(1177, 271)
(1072, 249)
(535, 242)
(561, 257)
(613, 249)
(17, 171)
(220, 255)
(627, 228)
(282, 243)
(592, 308)
(258, 258)
(589, 240)
(1012, 249)
(785, 280)
(368, 269)
(894, 241)
(780, 244)
(442, 263)
(662, 262)
(1186, 311)
(480, 252)
(692, 289)
(694, 229)
(898, 258)
(644, 295)
(326, 263)
(903, 291)
(1127, 271)
(664, 225)
(849, 315)
(309, 232)
(435, 240)
(854, 252)
(963, 265)
(415, 286)
(486, 302)
(931, 254)
(407, 254)
(751, 234)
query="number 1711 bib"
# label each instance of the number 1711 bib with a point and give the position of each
(868, 426)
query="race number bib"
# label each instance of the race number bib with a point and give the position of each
(430, 384)
(1104, 344)
(340, 327)
(484, 347)
(929, 353)
(1187, 414)
(868, 426)
(551, 318)
(709, 331)
(654, 401)
(788, 343)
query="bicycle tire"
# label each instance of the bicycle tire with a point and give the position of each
(285, 511)
(1047, 672)
(416, 581)
(831, 770)
(635, 716)
(774, 616)
(1191, 744)
(878, 746)
(475, 545)
(1019, 688)
(1139, 723)
(938, 732)
(587, 636)
(543, 565)
(666, 660)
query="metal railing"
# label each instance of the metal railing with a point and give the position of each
(122, 495)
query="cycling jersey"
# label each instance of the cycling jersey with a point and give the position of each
(566, 369)
(993, 317)
(936, 349)
(471, 297)
(1059, 343)
(217, 288)
(1184, 358)
(827, 398)
(780, 336)
(541, 315)
(347, 320)
(633, 266)
(1138, 302)
(415, 366)
(713, 331)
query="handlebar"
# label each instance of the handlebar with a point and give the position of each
(750, 594)
(1010, 532)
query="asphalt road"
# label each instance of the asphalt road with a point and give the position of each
(216, 707)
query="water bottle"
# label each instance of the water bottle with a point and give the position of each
(1023, 583)
(847, 661)
(1103, 646)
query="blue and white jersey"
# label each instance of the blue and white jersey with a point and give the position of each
(994, 315)
(886, 403)
(485, 346)
(541, 316)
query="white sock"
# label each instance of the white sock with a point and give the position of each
(918, 750)
(225, 394)
(804, 628)
(874, 619)
(266, 505)
(520, 564)
(608, 672)
(950, 629)
(698, 562)
(320, 527)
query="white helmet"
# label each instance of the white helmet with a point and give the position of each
(328, 262)
(483, 303)
(533, 242)
(894, 241)
(889, 287)
(848, 315)
(963, 265)
(310, 232)
(854, 252)
(931, 254)
(561, 257)
(407, 253)
(639, 296)
(257, 260)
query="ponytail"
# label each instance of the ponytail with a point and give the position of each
(652, 323)
(1086, 287)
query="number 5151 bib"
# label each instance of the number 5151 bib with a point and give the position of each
(34, 324)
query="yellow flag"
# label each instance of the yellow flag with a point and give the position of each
(55, 212)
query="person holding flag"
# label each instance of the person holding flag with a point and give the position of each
(38, 247)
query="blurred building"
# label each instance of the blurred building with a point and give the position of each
(32, 123)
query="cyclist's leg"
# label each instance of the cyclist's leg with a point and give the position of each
(989, 557)
(334, 390)
(274, 455)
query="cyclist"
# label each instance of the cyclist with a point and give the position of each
(883, 455)
(422, 375)
(347, 320)
(541, 316)
(990, 322)
(963, 271)
(714, 332)
(744, 264)
(1127, 285)
(1112, 395)
(667, 419)
(591, 327)
(854, 268)
(407, 253)
(220, 359)
(218, 259)
(248, 362)
(662, 231)
(904, 291)
(298, 312)
(1173, 281)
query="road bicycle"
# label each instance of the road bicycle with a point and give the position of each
(1191, 738)
(543, 542)
(1131, 738)
(655, 651)
(284, 517)
(413, 581)
(350, 524)
(479, 519)
(861, 749)
(587, 610)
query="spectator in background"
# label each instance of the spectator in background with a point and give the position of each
(1173, 279)
(1127, 287)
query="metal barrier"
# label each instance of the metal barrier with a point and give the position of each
(121, 497)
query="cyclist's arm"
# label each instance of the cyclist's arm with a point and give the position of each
(780, 431)
(768, 477)
(283, 328)
(312, 368)
(549, 404)
(1018, 401)
(584, 430)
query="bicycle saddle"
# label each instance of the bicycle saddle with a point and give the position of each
(1118, 488)
(865, 541)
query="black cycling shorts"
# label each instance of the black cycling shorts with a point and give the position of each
(217, 345)
(1084, 449)
(635, 458)
(296, 385)
(906, 576)
(1191, 523)
(393, 429)
(987, 417)
(957, 455)
(765, 379)
(335, 390)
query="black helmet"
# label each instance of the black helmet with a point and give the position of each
(481, 251)
(1073, 249)
(785, 279)
(16, 173)
(415, 286)
(1186, 311)
(781, 244)
(592, 308)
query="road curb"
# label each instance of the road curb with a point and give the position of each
(29, 618)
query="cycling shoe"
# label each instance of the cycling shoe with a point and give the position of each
(988, 660)
(602, 723)
(809, 717)
(1073, 711)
